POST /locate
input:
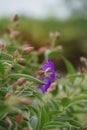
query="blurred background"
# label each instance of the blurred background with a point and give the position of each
(38, 18)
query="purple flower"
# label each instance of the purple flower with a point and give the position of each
(49, 75)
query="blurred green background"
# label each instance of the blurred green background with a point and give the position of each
(72, 28)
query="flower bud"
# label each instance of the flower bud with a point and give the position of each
(2, 45)
(83, 59)
(16, 53)
(57, 34)
(8, 95)
(19, 82)
(52, 87)
(85, 128)
(26, 100)
(41, 50)
(59, 47)
(19, 118)
(51, 35)
(40, 72)
(27, 50)
(8, 30)
(81, 69)
(14, 34)
(14, 18)
(8, 121)
(21, 60)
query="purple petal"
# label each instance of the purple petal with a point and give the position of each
(47, 80)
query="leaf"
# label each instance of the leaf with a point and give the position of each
(27, 77)
(18, 67)
(65, 101)
(33, 122)
(54, 53)
(43, 117)
(2, 69)
(70, 101)
(6, 56)
(70, 69)
(4, 109)
(78, 99)
(55, 124)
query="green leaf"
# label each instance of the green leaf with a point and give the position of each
(65, 101)
(54, 53)
(4, 109)
(78, 99)
(70, 69)
(6, 56)
(27, 77)
(33, 122)
(55, 124)
(2, 69)
(18, 67)
(43, 117)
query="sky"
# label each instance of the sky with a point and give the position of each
(34, 8)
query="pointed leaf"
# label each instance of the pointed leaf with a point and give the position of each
(27, 77)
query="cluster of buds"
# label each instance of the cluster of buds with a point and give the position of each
(12, 33)
(9, 30)
(17, 57)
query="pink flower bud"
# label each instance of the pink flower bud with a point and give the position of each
(52, 87)
(8, 30)
(42, 50)
(2, 45)
(27, 50)
(81, 69)
(19, 82)
(14, 34)
(8, 95)
(16, 53)
(21, 60)
(14, 18)
(40, 72)
(19, 118)
(26, 100)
